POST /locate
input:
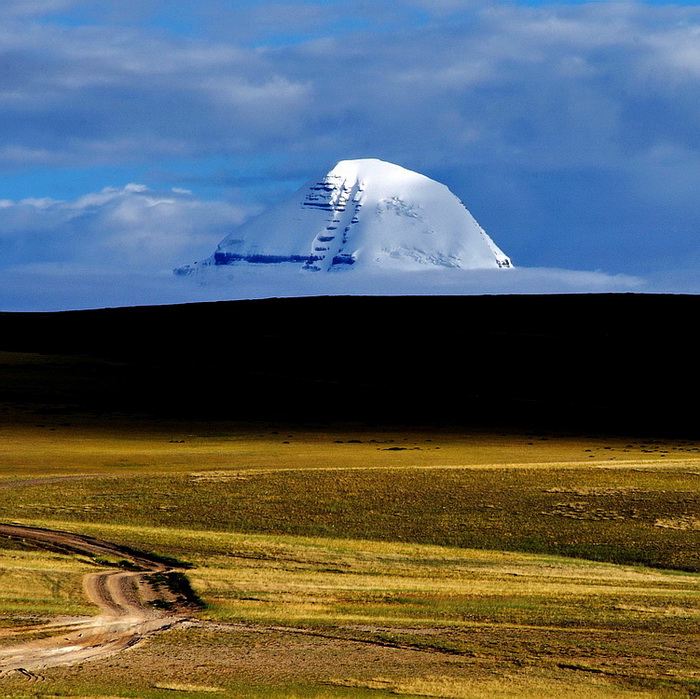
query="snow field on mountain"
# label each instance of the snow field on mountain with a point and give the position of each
(363, 214)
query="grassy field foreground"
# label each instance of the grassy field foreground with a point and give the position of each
(369, 563)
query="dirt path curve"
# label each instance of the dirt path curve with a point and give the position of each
(135, 603)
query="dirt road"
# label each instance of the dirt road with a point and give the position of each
(135, 603)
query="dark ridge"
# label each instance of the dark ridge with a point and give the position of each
(613, 363)
(319, 205)
(227, 258)
(344, 259)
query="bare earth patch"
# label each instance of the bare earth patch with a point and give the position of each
(133, 606)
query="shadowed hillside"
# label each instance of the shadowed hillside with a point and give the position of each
(614, 363)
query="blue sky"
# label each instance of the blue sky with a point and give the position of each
(571, 130)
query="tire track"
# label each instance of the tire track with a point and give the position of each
(135, 604)
(47, 480)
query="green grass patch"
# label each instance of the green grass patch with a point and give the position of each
(301, 616)
(629, 516)
(38, 585)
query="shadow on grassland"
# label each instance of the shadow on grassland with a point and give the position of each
(615, 363)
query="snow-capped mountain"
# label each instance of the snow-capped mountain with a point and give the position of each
(364, 214)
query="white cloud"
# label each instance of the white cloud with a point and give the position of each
(94, 94)
(126, 229)
(41, 287)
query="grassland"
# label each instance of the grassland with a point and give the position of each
(360, 562)
(295, 616)
(39, 587)
(622, 501)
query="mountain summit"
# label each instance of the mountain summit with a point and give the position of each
(363, 214)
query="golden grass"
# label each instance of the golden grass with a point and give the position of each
(320, 617)
(50, 447)
(37, 586)
(185, 687)
(321, 581)
(622, 515)
(323, 566)
(507, 686)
